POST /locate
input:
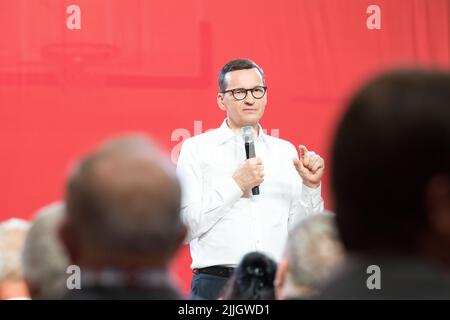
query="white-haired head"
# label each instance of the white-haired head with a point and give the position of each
(44, 258)
(12, 236)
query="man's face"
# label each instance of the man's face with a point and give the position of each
(248, 111)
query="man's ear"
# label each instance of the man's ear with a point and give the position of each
(437, 201)
(220, 102)
(69, 241)
(280, 279)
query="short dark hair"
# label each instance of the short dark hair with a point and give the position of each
(237, 64)
(392, 140)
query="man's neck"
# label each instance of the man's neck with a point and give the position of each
(237, 130)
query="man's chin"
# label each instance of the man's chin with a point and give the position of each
(250, 120)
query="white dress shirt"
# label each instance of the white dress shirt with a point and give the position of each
(224, 223)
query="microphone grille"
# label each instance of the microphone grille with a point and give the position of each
(247, 133)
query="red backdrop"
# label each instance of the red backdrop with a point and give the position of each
(151, 66)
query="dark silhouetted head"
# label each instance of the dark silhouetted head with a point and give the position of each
(391, 163)
(253, 279)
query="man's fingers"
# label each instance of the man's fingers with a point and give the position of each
(312, 160)
(299, 165)
(256, 160)
(303, 150)
(309, 159)
(260, 170)
(317, 165)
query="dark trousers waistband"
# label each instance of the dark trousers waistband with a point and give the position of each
(216, 270)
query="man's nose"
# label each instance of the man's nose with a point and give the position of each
(249, 99)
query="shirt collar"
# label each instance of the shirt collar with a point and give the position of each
(225, 133)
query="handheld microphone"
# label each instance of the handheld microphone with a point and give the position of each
(247, 134)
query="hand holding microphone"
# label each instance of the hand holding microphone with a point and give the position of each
(251, 173)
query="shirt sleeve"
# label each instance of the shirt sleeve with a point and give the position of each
(305, 200)
(202, 209)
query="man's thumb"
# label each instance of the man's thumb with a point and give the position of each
(299, 164)
(303, 150)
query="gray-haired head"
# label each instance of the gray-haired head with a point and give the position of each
(124, 198)
(12, 237)
(44, 259)
(313, 252)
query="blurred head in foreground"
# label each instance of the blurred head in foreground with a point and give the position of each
(44, 259)
(253, 279)
(123, 214)
(313, 252)
(391, 173)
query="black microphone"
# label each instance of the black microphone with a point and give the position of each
(247, 133)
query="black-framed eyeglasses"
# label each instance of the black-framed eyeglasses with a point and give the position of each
(241, 93)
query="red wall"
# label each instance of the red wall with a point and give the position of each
(151, 66)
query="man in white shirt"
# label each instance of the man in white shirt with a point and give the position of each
(225, 221)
